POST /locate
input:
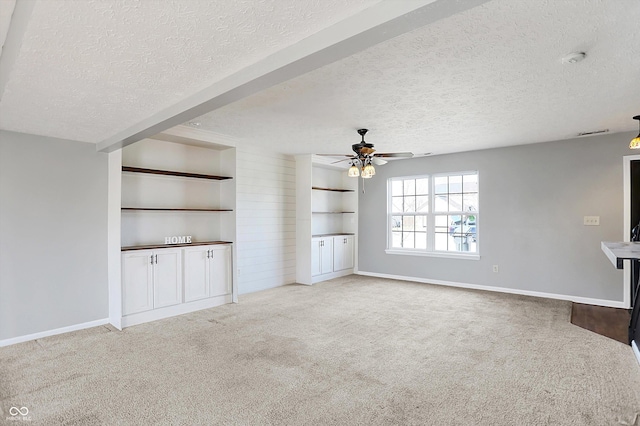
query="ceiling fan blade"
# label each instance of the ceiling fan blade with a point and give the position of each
(340, 161)
(394, 154)
(334, 155)
(378, 161)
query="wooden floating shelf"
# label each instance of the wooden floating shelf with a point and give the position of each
(161, 246)
(173, 173)
(330, 212)
(173, 210)
(335, 234)
(317, 188)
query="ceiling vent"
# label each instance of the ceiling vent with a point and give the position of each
(595, 132)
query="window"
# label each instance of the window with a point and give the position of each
(434, 214)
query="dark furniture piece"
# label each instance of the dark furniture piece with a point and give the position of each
(617, 252)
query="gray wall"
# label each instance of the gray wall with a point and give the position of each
(532, 202)
(53, 234)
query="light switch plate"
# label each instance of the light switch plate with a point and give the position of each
(592, 220)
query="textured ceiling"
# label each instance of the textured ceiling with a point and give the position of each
(89, 69)
(488, 77)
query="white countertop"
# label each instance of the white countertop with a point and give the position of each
(619, 251)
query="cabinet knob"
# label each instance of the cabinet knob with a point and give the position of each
(151, 259)
(156, 259)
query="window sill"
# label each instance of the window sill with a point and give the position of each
(465, 256)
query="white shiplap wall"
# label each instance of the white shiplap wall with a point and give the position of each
(266, 219)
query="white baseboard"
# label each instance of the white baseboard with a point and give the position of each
(267, 287)
(324, 277)
(172, 311)
(40, 335)
(577, 299)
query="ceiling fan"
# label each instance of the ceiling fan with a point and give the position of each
(365, 156)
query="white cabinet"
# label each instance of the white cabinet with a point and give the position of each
(342, 252)
(196, 272)
(326, 212)
(175, 189)
(331, 254)
(220, 271)
(167, 278)
(137, 282)
(207, 272)
(169, 281)
(315, 257)
(151, 279)
(321, 255)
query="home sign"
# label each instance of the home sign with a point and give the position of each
(185, 239)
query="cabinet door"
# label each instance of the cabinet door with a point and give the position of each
(167, 278)
(338, 253)
(326, 256)
(137, 281)
(196, 272)
(315, 256)
(220, 271)
(342, 252)
(347, 262)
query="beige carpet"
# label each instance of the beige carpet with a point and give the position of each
(355, 350)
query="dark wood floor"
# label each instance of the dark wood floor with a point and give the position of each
(609, 322)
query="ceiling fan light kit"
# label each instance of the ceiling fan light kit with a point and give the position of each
(635, 142)
(365, 157)
(368, 171)
(353, 171)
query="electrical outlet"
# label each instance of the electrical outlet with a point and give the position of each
(496, 268)
(592, 220)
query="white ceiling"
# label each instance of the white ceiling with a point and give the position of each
(488, 76)
(88, 69)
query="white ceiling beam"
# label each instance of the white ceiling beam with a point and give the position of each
(13, 37)
(197, 137)
(5, 18)
(374, 25)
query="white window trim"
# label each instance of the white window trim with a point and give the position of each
(429, 251)
(442, 254)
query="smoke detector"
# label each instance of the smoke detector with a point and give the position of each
(574, 58)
